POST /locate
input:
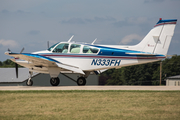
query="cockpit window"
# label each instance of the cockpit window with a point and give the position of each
(89, 50)
(61, 48)
(50, 49)
(75, 48)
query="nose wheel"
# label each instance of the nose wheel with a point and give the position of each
(29, 82)
(81, 81)
(54, 81)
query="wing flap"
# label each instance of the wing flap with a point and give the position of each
(71, 68)
(140, 54)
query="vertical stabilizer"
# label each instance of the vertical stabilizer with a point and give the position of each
(165, 37)
(157, 41)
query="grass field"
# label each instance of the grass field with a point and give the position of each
(131, 105)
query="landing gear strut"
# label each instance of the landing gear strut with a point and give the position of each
(81, 81)
(29, 81)
(54, 81)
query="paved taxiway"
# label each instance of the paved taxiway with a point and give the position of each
(161, 88)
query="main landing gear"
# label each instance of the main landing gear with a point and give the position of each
(81, 81)
(54, 81)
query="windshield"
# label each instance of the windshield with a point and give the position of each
(61, 48)
(50, 49)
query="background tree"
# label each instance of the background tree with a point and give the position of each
(144, 74)
(1, 64)
(116, 78)
(7, 63)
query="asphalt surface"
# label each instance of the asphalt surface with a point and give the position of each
(159, 88)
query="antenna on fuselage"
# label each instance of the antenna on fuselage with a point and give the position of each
(70, 39)
(93, 42)
(48, 44)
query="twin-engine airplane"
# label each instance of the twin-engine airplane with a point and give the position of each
(84, 59)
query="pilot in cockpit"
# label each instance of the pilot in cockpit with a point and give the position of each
(65, 49)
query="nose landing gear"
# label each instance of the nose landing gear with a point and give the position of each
(29, 81)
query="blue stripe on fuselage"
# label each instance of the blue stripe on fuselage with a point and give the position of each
(115, 51)
(40, 56)
(92, 56)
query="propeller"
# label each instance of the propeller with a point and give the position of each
(16, 65)
(9, 50)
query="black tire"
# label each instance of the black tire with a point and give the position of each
(81, 81)
(54, 81)
(30, 83)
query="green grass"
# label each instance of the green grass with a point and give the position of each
(131, 105)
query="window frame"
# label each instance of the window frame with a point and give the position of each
(80, 48)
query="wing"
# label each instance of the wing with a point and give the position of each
(39, 60)
(35, 59)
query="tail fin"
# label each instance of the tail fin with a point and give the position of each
(157, 41)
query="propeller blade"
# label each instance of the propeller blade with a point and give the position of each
(16, 65)
(9, 50)
(22, 50)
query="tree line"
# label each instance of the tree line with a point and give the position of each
(7, 64)
(144, 74)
